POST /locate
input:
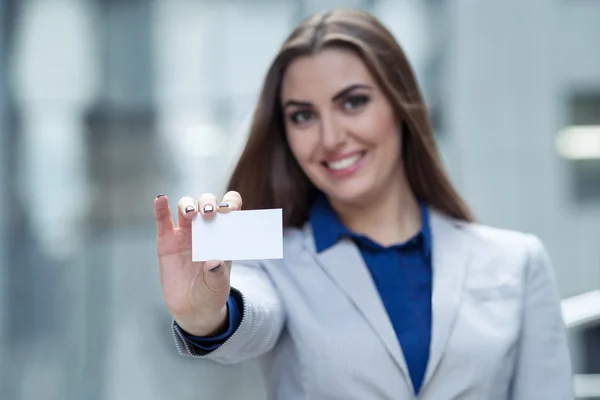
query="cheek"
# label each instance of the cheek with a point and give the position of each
(391, 144)
(377, 125)
(383, 138)
(392, 149)
(392, 139)
(302, 146)
(296, 148)
(389, 131)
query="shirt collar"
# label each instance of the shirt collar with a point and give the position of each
(328, 229)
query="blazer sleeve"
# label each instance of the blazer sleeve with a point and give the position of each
(263, 318)
(543, 369)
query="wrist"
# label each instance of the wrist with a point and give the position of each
(205, 326)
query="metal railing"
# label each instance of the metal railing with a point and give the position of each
(579, 313)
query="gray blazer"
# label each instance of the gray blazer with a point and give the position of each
(319, 330)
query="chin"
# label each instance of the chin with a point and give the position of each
(355, 195)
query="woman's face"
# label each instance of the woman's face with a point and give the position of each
(340, 126)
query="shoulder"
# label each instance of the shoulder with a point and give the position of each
(505, 247)
(510, 261)
(499, 239)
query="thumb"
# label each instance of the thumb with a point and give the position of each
(216, 282)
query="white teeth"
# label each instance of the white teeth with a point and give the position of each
(344, 163)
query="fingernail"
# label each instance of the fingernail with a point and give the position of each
(214, 269)
(208, 208)
(223, 205)
(189, 209)
(160, 195)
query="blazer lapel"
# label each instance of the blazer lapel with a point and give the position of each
(345, 265)
(451, 255)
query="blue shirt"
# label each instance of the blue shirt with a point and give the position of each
(403, 277)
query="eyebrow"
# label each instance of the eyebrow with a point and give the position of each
(336, 97)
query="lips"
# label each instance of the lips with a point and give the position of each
(346, 162)
(344, 165)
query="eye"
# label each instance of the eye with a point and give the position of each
(301, 116)
(355, 101)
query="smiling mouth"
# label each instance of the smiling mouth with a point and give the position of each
(344, 163)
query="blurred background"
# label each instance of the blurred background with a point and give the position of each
(106, 103)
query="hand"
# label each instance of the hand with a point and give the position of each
(196, 293)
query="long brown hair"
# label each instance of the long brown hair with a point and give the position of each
(267, 174)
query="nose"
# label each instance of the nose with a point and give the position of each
(333, 135)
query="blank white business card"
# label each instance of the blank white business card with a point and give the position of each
(238, 235)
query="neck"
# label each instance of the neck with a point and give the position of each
(394, 217)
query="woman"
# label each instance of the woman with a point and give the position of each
(387, 288)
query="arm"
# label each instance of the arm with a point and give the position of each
(262, 319)
(543, 369)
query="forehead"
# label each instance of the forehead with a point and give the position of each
(324, 73)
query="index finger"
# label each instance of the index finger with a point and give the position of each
(232, 201)
(162, 213)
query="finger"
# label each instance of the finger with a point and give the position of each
(232, 201)
(187, 210)
(162, 213)
(207, 205)
(216, 276)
